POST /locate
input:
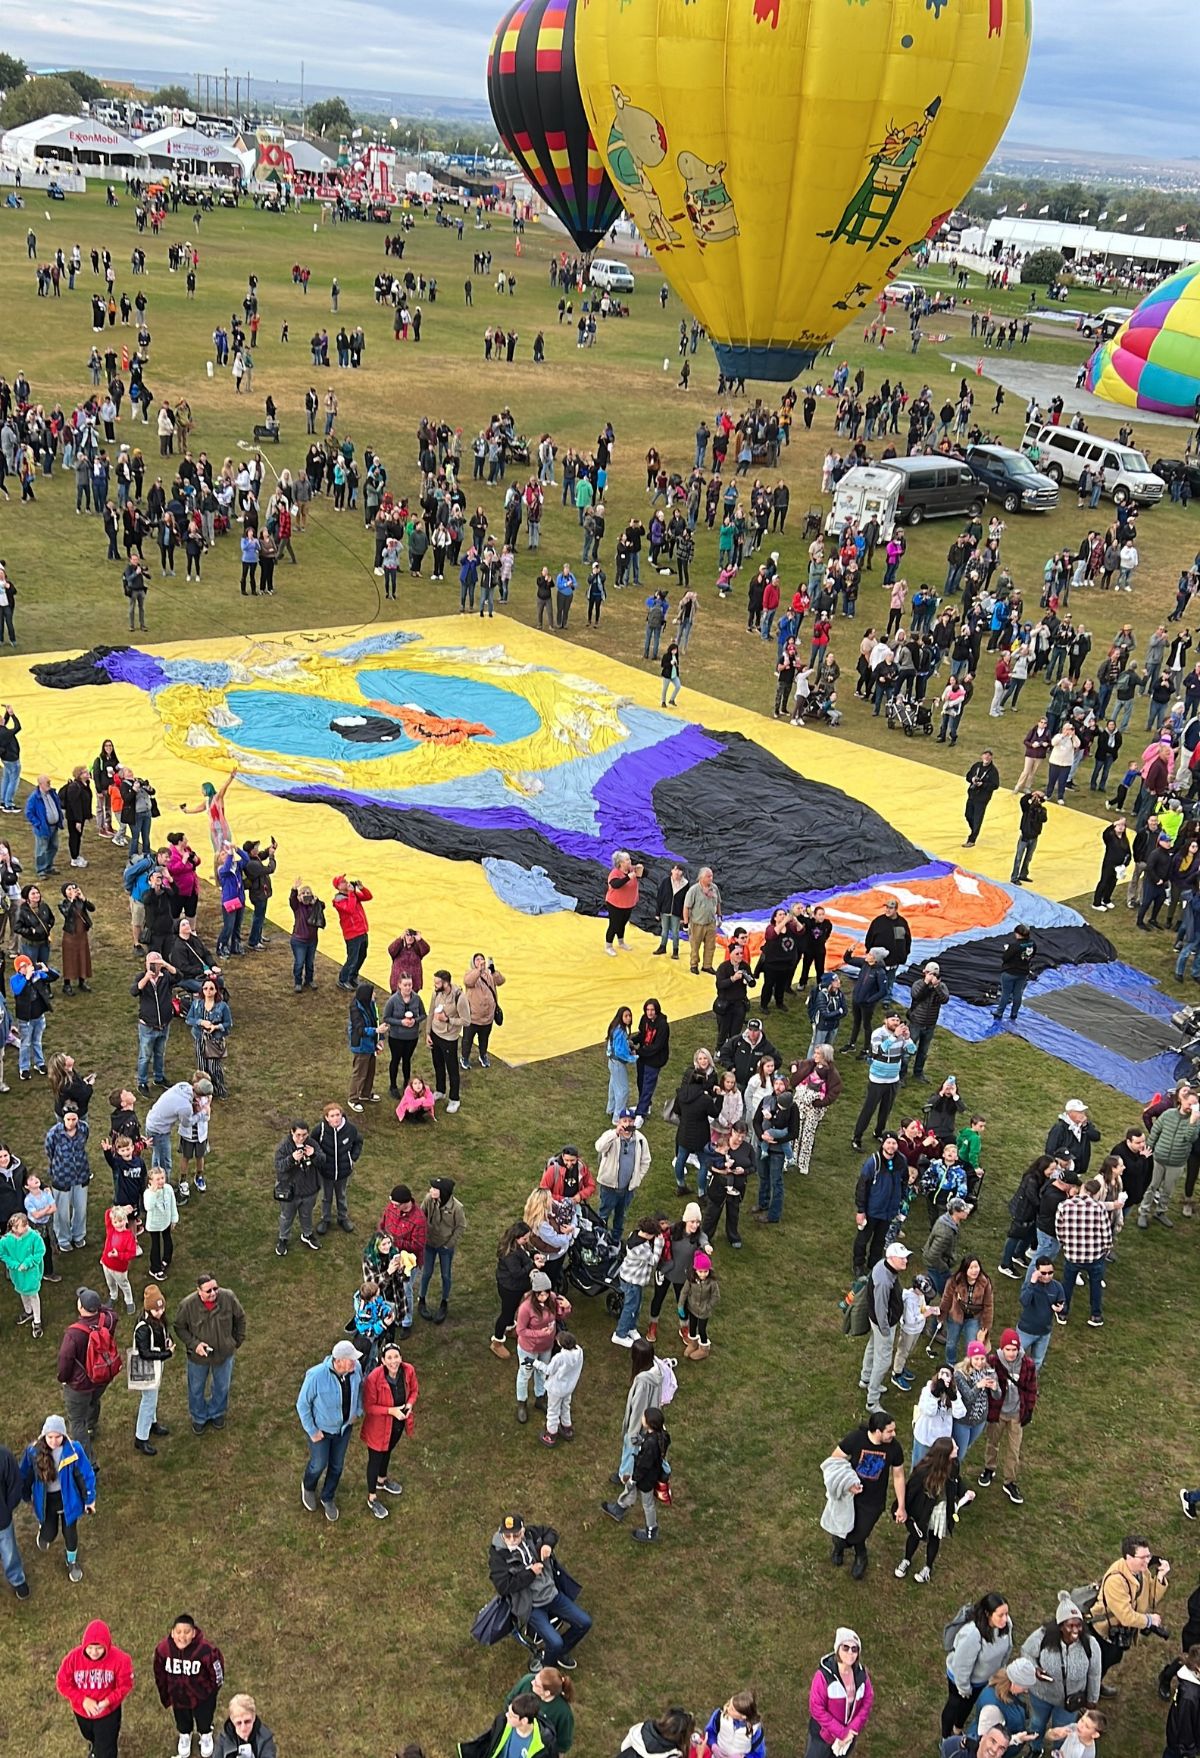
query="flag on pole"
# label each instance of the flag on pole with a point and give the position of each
(1000, 212)
(1140, 228)
(1102, 216)
(1044, 210)
(1086, 214)
(1024, 208)
(1121, 219)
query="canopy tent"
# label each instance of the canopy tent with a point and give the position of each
(73, 140)
(187, 146)
(308, 158)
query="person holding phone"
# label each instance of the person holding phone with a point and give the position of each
(389, 1394)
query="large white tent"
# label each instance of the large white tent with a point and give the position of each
(188, 147)
(308, 158)
(71, 140)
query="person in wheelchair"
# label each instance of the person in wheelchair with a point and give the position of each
(525, 1572)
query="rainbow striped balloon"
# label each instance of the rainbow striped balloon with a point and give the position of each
(1153, 361)
(534, 93)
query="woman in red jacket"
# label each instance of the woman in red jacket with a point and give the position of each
(389, 1393)
(95, 1679)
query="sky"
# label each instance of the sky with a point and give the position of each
(1109, 75)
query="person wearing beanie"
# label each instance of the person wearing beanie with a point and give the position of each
(58, 1480)
(329, 1404)
(189, 1671)
(701, 1293)
(1007, 1696)
(537, 1322)
(1067, 1657)
(840, 1698)
(1010, 1410)
(445, 1223)
(153, 1344)
(95, 1678)
(686, 1237)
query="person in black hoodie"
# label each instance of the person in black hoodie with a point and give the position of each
(669, 903)
(817, 928)
(983, 778)
(1033, 822)
(734, 980)
(696, 1104)
(744, 1054)
(158, 929)
(1154, 881)
(649, 1460)
(781, 950)
(670, 1736)
(516, 1261)
(1182, 1688)
(891, 933)
(652, 1041)
(341, 1144)
(1016, 962)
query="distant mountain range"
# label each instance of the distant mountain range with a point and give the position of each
(268, 92)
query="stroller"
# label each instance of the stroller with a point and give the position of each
(594, 1260)
(911, 717)
(812, 522)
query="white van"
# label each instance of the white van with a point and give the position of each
(612, 277)
(867, 492)
(1063, 453)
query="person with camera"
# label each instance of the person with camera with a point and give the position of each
(211, 1022)
(299, 1164)
(155, 1013)
(483, 1006)
(1067, 1658)
(135, 583)
(349, 896)
(1127, 1603)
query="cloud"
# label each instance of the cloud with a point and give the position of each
(1095, 80)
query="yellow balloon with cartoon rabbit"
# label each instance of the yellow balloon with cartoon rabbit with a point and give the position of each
(780, 157)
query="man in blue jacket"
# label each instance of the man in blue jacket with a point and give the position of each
(878, 1197)
(329, 1405)
(44, 811)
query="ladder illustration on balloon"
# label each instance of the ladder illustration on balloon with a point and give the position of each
(869, 211)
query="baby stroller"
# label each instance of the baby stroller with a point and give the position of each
(910, 717)
(812, 523)
(594, 1260)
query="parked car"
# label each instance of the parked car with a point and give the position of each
(1106, 323)
(1175, 469)
(612, 277)
(1011, 479)
(56, 192)
(1064, 453)
(935, 487)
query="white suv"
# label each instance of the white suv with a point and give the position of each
(1063, 453)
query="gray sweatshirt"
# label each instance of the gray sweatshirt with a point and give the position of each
(972, 1660)
(1071, 1669)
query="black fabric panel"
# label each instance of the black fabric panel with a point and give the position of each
(1103, 1019)
(971, 971)
(768, 832)
(70, 674)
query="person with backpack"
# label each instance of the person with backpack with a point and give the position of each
(1067, 1656)
(978, 1641)
(88, 1362)
(308, 919)
(878, 1196)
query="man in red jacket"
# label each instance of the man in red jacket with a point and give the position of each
(95, 1679)
(1010, 1409)
(349, 895)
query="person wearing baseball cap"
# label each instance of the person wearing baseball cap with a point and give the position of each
(526, 1573)
(1010, 1410)
(928, 996)
(82, 1393)
(885, 1303)
(329, 1404)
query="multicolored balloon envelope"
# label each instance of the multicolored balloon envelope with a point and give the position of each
(780, 156)
(534, 94)
(1153, 361)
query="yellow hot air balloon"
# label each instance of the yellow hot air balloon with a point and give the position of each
(779, 157)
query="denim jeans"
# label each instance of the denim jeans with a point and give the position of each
(160, 1153)
(10, 775)
(1047, 1246)
(152, 1046)
(141, 833)
(613, 1206)
(147, 1413)
(257, 922)
(965, 1331)
(327, 1457)
(45, 852)
(554, 1643)
(30, 1054)
(618, 1086)
(70, 1219)
(1094, 1273)
(1035, 1347)
(356, 952)
(966, 1434)
(670, 931)
(10, 1556)
(207, 1401)
(531, 1366)
(631, 1304)
(650, 645)
(439, 1257)
(1011, 990)
(230, 938)
(770, 1180)
(304, 961)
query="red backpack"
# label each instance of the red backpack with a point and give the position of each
(103, 1361)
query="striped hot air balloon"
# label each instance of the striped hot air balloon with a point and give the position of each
(534, 93)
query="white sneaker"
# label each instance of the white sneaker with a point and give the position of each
(184, 1748)
(922, 1575)
(611, 951)
(206, 1746)
(453, 1105)
(185, 1189)
(626, 1342)
(902, 1568)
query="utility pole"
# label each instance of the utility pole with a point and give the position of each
(302, 109)
(249, 107)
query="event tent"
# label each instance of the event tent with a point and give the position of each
(71, 140)
(308, 158)
(187, 146)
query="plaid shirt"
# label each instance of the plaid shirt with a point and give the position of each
(639, 1263)
(1084, 1229)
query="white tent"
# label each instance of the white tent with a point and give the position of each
(184, 146)
(71, 139)
(306, 157)
(1088, 241)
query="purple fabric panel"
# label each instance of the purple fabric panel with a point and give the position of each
(624, 795)
(141, 670)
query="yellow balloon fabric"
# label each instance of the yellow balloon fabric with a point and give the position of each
(779, 157)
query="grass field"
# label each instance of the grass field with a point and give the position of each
(354, 1638)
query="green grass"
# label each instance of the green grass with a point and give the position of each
(354, 1639)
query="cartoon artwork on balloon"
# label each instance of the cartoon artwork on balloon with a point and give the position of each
(869, 211)
(1153, 361)
(761, 232)
(534, 95)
